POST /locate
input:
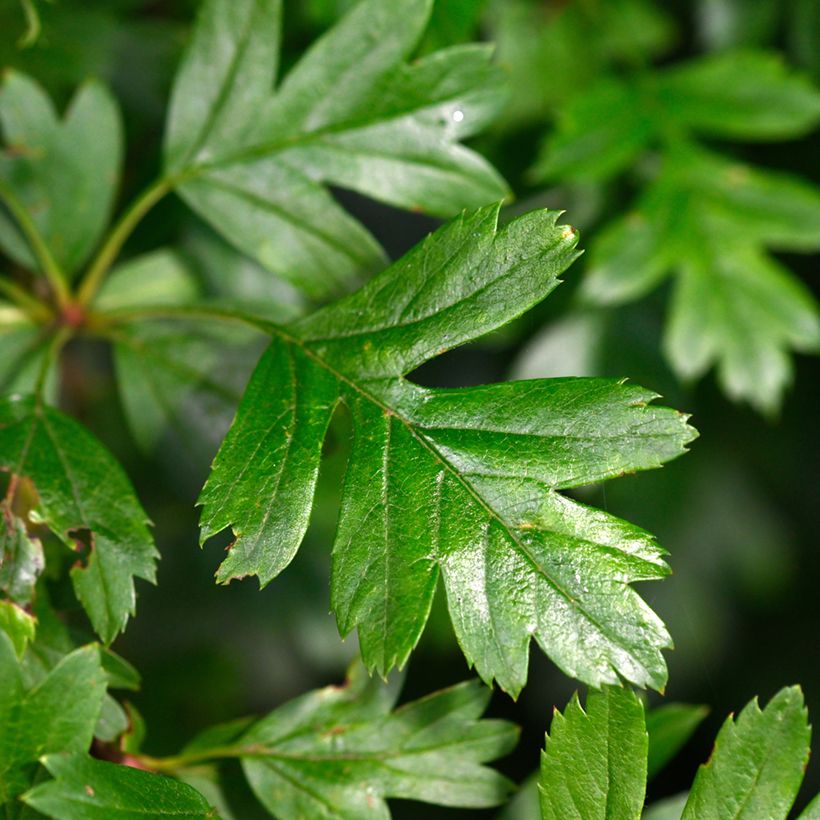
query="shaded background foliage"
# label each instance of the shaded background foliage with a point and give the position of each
(739, 514)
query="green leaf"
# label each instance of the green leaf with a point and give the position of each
(97, 790)
(598, 135)
(254, 162)
(757, 765)
(81, 490)
(56, 715)
(594, 761)
(462, 483)
(65, 172)
(710, 222)
(341, 751)
(670, 726)
(741, 95)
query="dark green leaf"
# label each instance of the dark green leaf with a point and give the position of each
(254, 163)
(458, 482)
(341, 751)
(65, 172)
(757, 765)
(56, 715)
(82, 491)
(669, 727)
(594, 762)
(96, 790)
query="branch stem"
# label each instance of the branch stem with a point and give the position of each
(117, 238)
(28, 304)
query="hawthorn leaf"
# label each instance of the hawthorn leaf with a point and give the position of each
(594, 761)
(64, 172)
(459, 483)
(56, 715)
(340, 752)
(98, 790)
(710, 222)
(757, 764)
(254, 161)
(670, 726)
(81, 490)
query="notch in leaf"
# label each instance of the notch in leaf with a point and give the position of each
(463, 484)
(81, 487)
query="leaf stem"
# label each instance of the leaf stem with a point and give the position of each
(183, 760)
(28, 304)
(48, 264)
(118, 236)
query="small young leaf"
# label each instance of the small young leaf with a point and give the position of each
(97, 790)
(56, 715)
(594, 762)
(341, 752)
(17, 624)
(65, 173)
(458, 482)
(757, 765)
(81, 489)
(253, 162)
(669, 727)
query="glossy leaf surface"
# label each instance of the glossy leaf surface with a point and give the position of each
(458, 483)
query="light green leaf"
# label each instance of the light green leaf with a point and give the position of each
(741, 95)
(160, 277)
(17, 624)
(670, 808)
(96, 790)
(82, 492)
(462, 483)
(812, 811)
(65, 172)
(594, 762)
(670, 726)
(341, 752)
(757, 765)
(56, 715)
(253, 161)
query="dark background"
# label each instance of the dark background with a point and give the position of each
(740, 514)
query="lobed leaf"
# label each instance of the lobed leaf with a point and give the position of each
(462, 483)
(64, 172)
(341, 751)
(254, 161)
(81, 489)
